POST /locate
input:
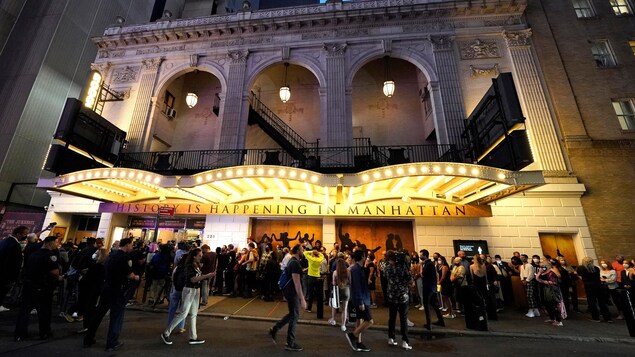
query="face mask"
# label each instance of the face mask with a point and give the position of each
(94, 256)
(626, 266)
(499, 262)
(536, 260)
(440, 261)
(604, 265)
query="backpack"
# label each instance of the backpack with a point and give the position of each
(178, 278)
(284, 280)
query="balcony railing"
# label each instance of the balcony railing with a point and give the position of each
(326, 159)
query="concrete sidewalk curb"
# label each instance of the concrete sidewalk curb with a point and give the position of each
(437, 332)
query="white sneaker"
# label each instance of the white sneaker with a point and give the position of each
(536, 312)
(3, 309)
(406, 346)
(410, 323)
(421, 308)
(392, 342)
(530, 313)
(343, 328)
(332, 322)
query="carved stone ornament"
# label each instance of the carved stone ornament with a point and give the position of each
(102, 68)
(126, 74)
(335, 49)
(441, 43)
(194, 60)
(517, 38)
(239, 56)
(482, 71)
(479, 49)
(152, 64)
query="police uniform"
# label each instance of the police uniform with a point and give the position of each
(39, 284)
(118, 268)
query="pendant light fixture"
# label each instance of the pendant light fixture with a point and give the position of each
(285, 91)
(191, 99)
(389, 84)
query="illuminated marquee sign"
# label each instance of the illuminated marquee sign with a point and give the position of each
(94, 88)
(371, 210)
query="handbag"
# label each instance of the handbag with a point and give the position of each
(334, 300)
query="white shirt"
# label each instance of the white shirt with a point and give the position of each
(527, 272)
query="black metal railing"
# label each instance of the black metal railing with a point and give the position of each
(323, 159)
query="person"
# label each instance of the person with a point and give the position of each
(208, 265)
(314, 258)
(341, 282)
(595, 294)
(549, 277)
(528, 279)
(295, 299)
(159, 272)
(447, 288)
(429, 289)
(113, 296)
(371, 272)
(176, 293)
(90, 285)
(398, 280)
(41, 276)
(618, 266)
(381, 266)
(360, 297)
(628, 276)
(568, 286)
(504, 273)
(608, 278)
(251, 265)
(415, 271)
(270, 275)
(10, 261)
(190, 297)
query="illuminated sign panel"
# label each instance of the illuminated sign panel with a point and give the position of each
(94, 87)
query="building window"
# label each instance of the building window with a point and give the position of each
(583, 9)
(602, 54)
(625, 111)
(621, 7)
(168, 100)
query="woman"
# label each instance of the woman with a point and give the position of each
(552, 298)
(595, 294)
(341, 282)
(416, 270)
(160, 268)
(608, 277)
(190, 297)
(90, 286)
(175, 295)
(568, 285)
(459, 280)
(398, 278)
(479, 275)
(371, 273)
(271, 273)
(240, 272)
(628, 276)
(447, 289)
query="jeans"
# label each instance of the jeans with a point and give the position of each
(293, 303)
(115, 301)
(419, 283)
(175, 303)
(189, 305)
(403, 320)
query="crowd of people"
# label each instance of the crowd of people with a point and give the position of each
(92, 280)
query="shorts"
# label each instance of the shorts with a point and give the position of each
(364, 315)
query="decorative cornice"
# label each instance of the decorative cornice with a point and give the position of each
(126, 74)
(441, 42)
(334, 49)
(479, 49)
(482, 71)
(103, 68)
(152, 64)
(238, 56)
(517, 38)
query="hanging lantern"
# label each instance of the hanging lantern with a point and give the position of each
(285, 91)
(389, 84)
(191, 99)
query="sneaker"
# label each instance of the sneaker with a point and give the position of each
(392, 342)
(343, 328)
(536, 312)
(421, 308)
(530, 313)
(417, 306)
(79, 318)
(81, 331)
(352, 341)
(272, 332)
(592, 320)
(332, 322)
(166, 339)
(410, 323)
(34, 312)
(196, 341)
(293, 347)
(74, 315)
(406, 346)
(557, 323)
(67, 317)
(444, 309)
(449, 316)
(115, 347)
(362, 347)
(609, 321)
(3, 309)
(181, 331)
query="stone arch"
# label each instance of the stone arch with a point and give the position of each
(311, 64)
(183, 68)
(414, 58)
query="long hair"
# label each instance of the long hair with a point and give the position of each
(588, 263)
(190, 257)
(342, 272)
(102, 254)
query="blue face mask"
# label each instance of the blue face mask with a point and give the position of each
(94, 256)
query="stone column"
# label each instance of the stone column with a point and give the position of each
(539, 122)
(232, 126)
(449, 86)
(337, 131)
(138, 133)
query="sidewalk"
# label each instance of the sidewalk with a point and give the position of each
(511, 323)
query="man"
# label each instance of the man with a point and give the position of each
(315, 258)
(429, 283)
(398, 280)
(229, 271)
(209, 261)
(618, 265)
(10, 261)
(118, 272)
(382, 277)
(79, 266)
(360, 296)
(42, 275)
(295, 298)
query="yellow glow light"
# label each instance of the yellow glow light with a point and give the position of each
(399, 184)
(431, 183)
(326, 195)
(369, 189)
(388, 173)
(253, 184)
(309, 191)
(250, 171)
(412, 170)
(365, 178)
(199, 179)
(400, 171)
(314, 178)
(208, 177)
(501, 176)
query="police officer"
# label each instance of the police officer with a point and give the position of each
(42, 274)
(118, 273)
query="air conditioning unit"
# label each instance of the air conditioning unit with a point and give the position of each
(171, 113)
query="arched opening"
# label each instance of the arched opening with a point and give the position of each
(179, 127)
(407, 116)
(300, 114)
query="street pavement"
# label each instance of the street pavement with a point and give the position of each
(238, 327)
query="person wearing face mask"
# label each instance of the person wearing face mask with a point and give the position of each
(618, 266)
(608, 277)
(415, 270)
(595, 294)
(89, 287)
(447, 288)
(567, 286)
(549, 278)
(528, 279)
(458, 279)
(503, 273)
(11, 260)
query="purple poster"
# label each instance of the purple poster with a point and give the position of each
(10, 220)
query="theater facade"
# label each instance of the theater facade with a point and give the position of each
(343, 122)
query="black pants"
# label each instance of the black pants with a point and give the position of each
(40, 299)
(384, 288)
(115, 301)
(598, 296)
(312, 290)
(88, 296)
(402, 308)
(430, 299)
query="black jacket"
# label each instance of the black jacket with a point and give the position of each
(10, 260)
